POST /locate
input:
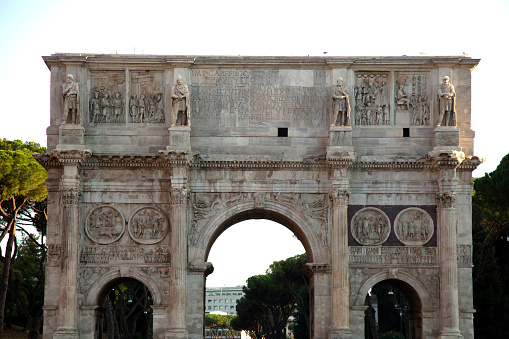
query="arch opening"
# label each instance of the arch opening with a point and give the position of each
(394, 310)
(125, 310)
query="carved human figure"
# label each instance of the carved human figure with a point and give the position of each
(105, 105)
(95, 107)
(71, 93)
(379, 115)
(141, 109)
(401, 98)
(447, 97)
(181, 104)
(117, 107)
(133, 107)
(341, 105)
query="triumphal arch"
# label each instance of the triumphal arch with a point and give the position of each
(368, 160)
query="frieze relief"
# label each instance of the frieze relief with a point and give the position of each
(464, 255)
(413, 227)
(370, 226)
(119, 254)
(148, 225)
(206, 206)
(393, 255)
(372, 99)
(411, 94)
(105, 225)
(106, 98)
(146, 101)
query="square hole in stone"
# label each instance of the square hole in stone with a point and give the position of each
(282, 132)
(406, 132)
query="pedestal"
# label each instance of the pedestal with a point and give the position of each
(180, 138)
(71, 136)
(447, 139)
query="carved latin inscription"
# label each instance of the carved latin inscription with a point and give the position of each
(148, 225)
(105, 224)
(119, 254)
(232, 97)
(370, 226)
(413, 227)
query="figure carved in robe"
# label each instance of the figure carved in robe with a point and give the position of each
(447, 97)
(71, 92)
(341, 105)
(181, 104)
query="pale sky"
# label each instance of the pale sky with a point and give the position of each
(30, 29)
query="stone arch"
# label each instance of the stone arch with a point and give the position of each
(295, 221)
(99, 288)
(414, 290)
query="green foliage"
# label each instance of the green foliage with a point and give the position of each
(490, 218)
(270, 299)
(390, 335)
(221, 320)
(18, 145)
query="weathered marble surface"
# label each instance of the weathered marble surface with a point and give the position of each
(134, 192)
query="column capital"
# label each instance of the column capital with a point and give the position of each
(446, 200)
(340, 197)
(70, 157)
(179, 196)
(70, 196)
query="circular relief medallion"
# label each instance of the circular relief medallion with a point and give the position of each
(105, 224)
(413, 226)
(370, 226)
(148, 225)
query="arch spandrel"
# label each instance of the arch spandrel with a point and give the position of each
(99, 288)
(313, 234)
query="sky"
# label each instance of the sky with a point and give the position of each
(30, 29)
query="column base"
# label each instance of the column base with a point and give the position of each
(66, 333)
(341, 333)
(450, 335)
(178, 333)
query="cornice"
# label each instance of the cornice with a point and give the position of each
(125, 160)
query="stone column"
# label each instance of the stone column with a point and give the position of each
(319, 275)
(197, 272)
(179, 196)
(70, 188)
(446, 201)
(340, 194)
(340, 281)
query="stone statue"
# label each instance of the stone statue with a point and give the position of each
(447, 96)
(341, 105)
(105, 105)
(133, 106)
(181, 104)
(71, 93)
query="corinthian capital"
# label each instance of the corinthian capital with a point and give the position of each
(340, 197)
(179, 196)
(70, 197)
(446, 200)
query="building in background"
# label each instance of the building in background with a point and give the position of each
(222, 299)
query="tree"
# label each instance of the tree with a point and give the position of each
(220, 325)
(289, 273)
(27, 283)
(490, 223)
(270, 299)
(22, 181)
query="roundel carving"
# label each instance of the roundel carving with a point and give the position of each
(413, 226)
(105, 224)
(148, 225)
(370, 226)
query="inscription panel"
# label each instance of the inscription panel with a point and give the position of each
(249, 97)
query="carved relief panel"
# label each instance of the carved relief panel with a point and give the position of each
(106, 97)
(371, 96)
(148, 225)
(370, 226)
(413, 227)
(104, 225)
(411, 98)
(146, 101)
